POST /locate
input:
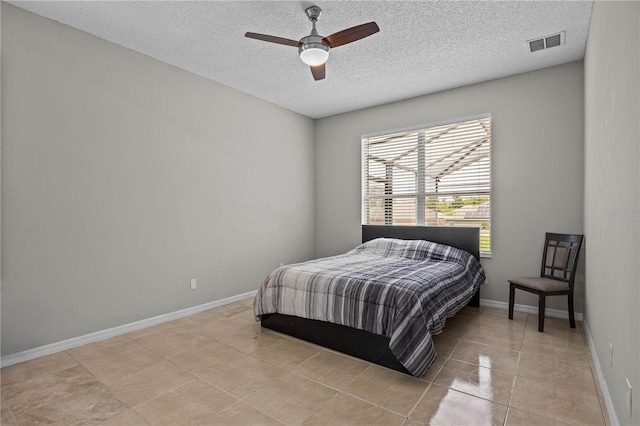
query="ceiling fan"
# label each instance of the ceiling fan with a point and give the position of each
(314, 48)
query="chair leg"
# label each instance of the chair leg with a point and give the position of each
(572, 318)
(541, 309)
(512, 295)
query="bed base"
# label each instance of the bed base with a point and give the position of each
(360, 343)
(351, 341)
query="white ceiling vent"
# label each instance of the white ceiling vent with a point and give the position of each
(546, 42)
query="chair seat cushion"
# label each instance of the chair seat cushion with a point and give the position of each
(540, 284)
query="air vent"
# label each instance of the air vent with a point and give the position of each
(546, 42)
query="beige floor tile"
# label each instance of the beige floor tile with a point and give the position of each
(487, 356)
(332, 369)
(6, 416)
(154, 329)
(291, 399)
(563, 344)
(501, 319)
(503, 314)
(147, 383)
(558, 333)
(19, 373)
(111, 362)
(241, 414)
(234, 309)
(192, 404)
(557, 371)
(507, 339)
(551, 323)
(411, 422)
(250, 338)
(572, 336)
(470, 312)
(213, 329)
(210, 314)
(387, 388)
(571, 352)
(194, 370)
(445, 345)
(105, 347)
(443, 406)
(560, 403)
(171, 342)
(206, 354)
(71, 396)
(498, 312)
(517, 417)
(287, 353)
(457, 327)
(347, 410)
(435, 368)
(243, 376)
(498, 325)
(478, 381)
(245, 317)
(128, 418)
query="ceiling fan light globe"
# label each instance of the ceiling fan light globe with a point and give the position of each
(314, 54)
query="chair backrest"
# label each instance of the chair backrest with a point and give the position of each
(560, 257)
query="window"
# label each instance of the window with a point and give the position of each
(435, 175)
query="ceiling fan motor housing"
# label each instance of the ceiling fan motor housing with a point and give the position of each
(313, 51)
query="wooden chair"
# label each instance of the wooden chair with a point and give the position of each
(557, 274)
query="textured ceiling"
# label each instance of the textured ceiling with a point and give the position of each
(422, 47)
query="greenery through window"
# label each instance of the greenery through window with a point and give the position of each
(435, 175)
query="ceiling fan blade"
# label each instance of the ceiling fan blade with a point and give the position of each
(351, 34)
(318, 72)
(273, 39)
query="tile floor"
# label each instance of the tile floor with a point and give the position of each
(220, 368)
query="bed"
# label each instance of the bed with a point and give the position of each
(381, 301)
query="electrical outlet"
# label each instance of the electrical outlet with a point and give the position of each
(629, 400)
(610, 355)
(193, 284)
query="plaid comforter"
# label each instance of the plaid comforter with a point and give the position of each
(401, 289)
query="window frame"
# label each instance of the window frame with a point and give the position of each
(421, 195)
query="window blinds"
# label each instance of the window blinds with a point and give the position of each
(436, 175)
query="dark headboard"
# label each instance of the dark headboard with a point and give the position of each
(467, 239)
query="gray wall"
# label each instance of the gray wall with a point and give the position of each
(123, 178)
(537, 167)
(612, 201)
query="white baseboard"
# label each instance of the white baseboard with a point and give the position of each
(555, 313)
(613, 418)
(116, 331)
